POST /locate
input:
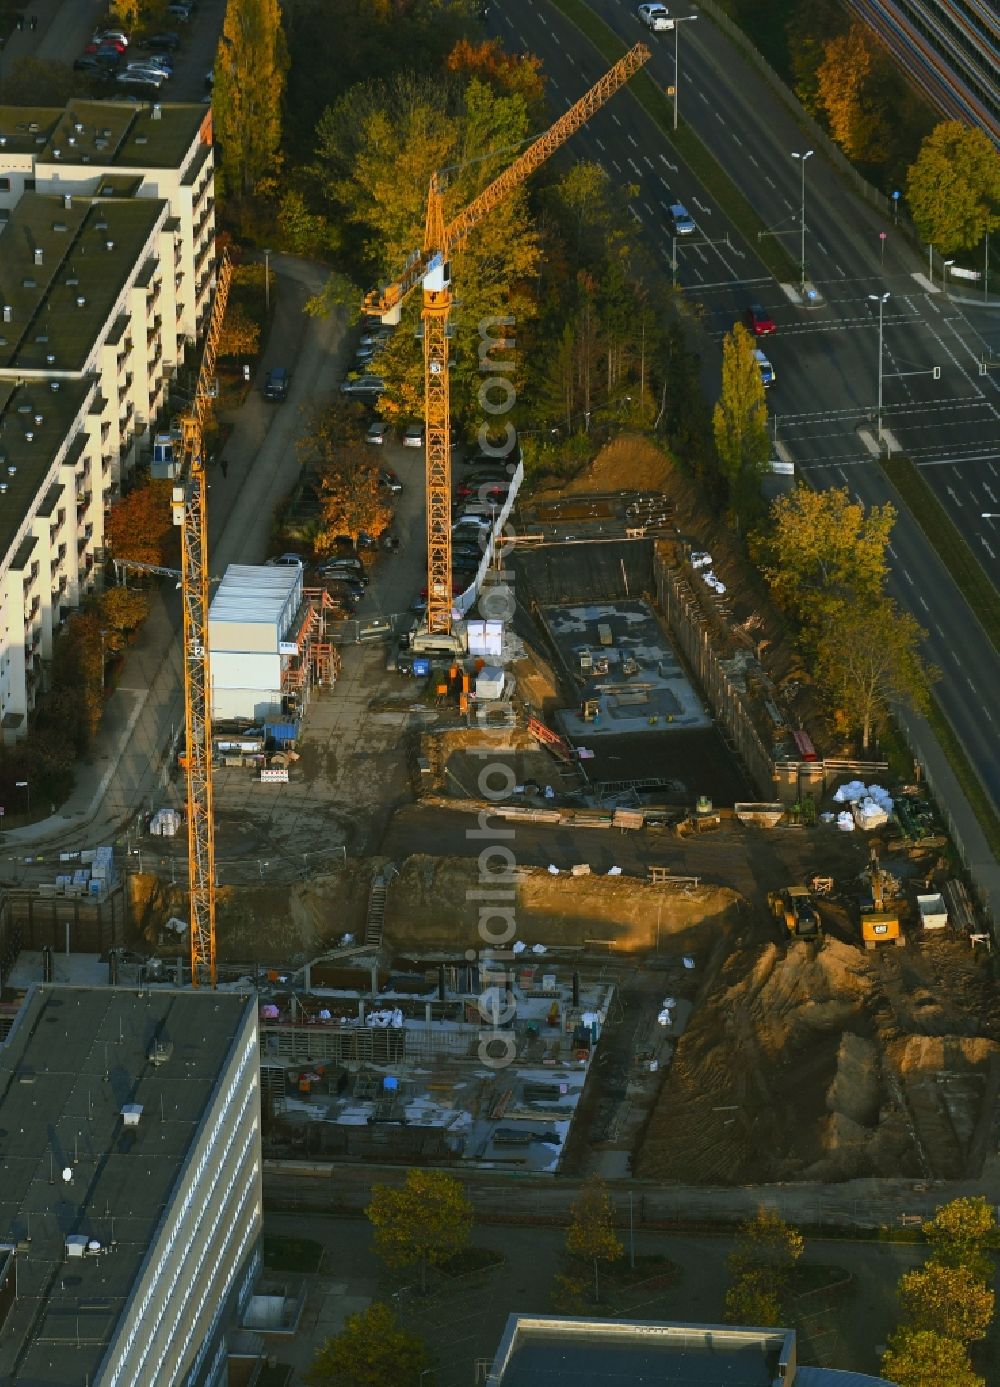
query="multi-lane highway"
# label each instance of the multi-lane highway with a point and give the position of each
(826, 357)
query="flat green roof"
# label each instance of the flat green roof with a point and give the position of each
(61, 272)
(46, 415)
(125, 134)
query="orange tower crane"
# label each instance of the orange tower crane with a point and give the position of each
(431, 267)
(190, 513)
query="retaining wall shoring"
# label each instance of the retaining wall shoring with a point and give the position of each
(684, 622)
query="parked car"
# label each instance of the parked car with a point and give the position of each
(655, 17)
(759, 320)
(163, 62)
(287, 561)
(413, 436)
(331, 568)
(182, 13)
(101, 44)
(154, 75)
(363, 385)
(378, 432)
(489, 488)
(168, 41)
(388, 480)
(276, 385)
(681, 220)
(141, 79)
(109, 35)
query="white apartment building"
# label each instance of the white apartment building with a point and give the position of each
(107, 234)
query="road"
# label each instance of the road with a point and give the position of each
(826, 358)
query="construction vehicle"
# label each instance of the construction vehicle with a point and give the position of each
(795, 905)
(431, 268)
(879, 907)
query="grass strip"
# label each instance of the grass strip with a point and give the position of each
(972, 787)
(940, 531)
(699, 160)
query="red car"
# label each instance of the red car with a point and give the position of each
(759, 321)
(104, 44)
(496, 491)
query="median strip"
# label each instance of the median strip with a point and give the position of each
(699, 160)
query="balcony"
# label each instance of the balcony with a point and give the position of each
(124, 388)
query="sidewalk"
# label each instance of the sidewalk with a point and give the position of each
(64, 27)
(129, 762)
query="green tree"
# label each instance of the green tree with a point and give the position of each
(250, 73)
(740, 424)
(753, 1299)
(921, 1358)
(422, 1222)
(591, 1234)
(868, 658)
(962, 1233)
(824, 552)
(953, 188)
(950, 1301)
(370, 1351)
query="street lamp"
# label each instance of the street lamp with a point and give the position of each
(881, 300)
(677, 48)
(267, 280)
(23, 785)
(802, 216)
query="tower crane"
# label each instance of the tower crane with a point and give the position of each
(431, 267)
(190, 514)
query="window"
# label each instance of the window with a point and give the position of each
(4, 185)
(29, 185)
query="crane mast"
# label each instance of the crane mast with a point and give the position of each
(190, 513)
(431, 267)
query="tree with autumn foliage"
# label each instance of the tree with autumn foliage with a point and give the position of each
(351, 498)
(868, 660)
(823, 552)
(240, 335)
(963, 1233)
(740, 424)
(951, 1301)
(921, 1358)
(121, 611)
(515, 74)
(953, 188)
(591, 1233)
(423, 1222)
(371, 1350)
(761, 1264)
(849, 90)
(250, 68)
(140, 526)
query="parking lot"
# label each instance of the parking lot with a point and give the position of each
(171, 60)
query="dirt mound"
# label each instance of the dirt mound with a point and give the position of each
(854, 1093)
(436, 902)
(629, 461)
(802, 992)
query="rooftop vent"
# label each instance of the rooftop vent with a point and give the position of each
(38, 417)
(72, 281)
(50, 359)
(78, 126)
(67, 200)
(56, 153)
(157, 112)
(160, 1052)
(76, 1245)
(53, 385)
(8, 313)
(28, 284)
(32, 125)
(24, 408)
(11, 469)
(39, 255)
(131, 1113)
(100, 144)
(141, 139)
(3, 140)
(3, 488)
(84, 158)
(42, 337)
(80, 301)
(106, 132)
(110, 245)
(40, 139)
(101, 225)
(29, 436)
(56, 226)
(71, 139)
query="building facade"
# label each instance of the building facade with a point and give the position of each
(107, 268)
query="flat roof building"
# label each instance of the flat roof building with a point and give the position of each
(130, 1200)
(552, 1351)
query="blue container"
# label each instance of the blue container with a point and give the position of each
(281, 733)
(421, 668)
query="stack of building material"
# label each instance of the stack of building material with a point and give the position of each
(103, 866)
(165, 823)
